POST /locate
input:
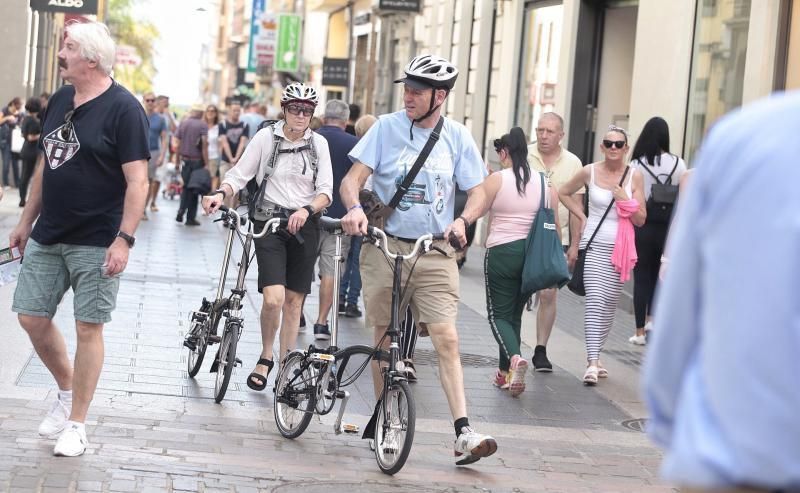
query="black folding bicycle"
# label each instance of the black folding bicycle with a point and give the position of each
(310, 382)
(204, 322)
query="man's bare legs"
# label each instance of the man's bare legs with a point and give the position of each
(88, 365)
(51, 348)
(545, 315)
(445, 341)
(325, 299)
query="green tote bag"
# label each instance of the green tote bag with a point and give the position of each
(545, 266)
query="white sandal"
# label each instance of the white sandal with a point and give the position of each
(590, 377)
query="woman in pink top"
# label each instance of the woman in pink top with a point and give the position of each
(512, 197)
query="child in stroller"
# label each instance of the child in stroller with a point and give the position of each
(173, 184)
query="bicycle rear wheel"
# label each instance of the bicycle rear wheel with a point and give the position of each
(394, 429)
(295, 395)
(227, 360)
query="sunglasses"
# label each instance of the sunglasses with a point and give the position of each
(150, 100)
(67, 130)
(619, 144)
(298, 110)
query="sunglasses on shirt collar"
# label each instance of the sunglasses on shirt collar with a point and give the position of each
(67, 129)
(619, 144)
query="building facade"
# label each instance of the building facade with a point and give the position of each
(596, 62)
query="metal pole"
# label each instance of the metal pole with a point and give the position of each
(42, 47)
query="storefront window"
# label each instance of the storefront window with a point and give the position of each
(717, 82)
(539, 75)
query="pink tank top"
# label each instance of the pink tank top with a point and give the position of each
(512, 214)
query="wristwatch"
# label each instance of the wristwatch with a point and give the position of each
(310, 210)
(128, 238)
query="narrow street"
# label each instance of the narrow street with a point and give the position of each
(151, 428)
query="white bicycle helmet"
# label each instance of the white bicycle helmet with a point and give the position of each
(297, 91)
(426, 71)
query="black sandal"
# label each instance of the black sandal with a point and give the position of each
(261, 379)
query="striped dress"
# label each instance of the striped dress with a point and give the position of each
(603, 287)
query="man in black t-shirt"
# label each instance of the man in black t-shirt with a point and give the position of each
(86, 198)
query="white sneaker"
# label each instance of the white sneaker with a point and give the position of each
(72, 442)
(637, 340)
(471, 446)
(55, 421)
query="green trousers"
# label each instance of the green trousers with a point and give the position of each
(504, 305)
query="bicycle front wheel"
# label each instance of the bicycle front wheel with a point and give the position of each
(194, 360)
(295, 395)
(227, 360)
(394, 429)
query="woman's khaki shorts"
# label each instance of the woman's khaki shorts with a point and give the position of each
(432, 291)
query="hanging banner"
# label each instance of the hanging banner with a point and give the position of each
(259, 6)
(287, 53)
(66, 6)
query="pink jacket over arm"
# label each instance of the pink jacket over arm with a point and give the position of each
(624, 257)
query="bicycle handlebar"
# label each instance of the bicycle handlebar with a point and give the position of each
(381, 241)
(272, 224)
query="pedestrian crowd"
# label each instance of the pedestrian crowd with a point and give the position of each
(609, 221)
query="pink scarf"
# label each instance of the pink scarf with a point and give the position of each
(624, 258)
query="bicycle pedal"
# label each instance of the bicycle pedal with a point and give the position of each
(190, 344)
(238, 362)
(213, 339)
(349, 428)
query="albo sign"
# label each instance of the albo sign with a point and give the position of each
(68, 6)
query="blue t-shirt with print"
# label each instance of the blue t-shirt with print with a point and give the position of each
(427, 207)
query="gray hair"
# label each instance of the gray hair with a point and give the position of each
(554, 116)
(336, 109)
(94, 40)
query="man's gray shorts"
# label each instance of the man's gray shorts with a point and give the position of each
(49, 270)
(152, 164)
(327, 249)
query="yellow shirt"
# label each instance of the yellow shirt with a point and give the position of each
(566, 166)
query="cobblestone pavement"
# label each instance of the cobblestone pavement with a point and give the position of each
(152, 428)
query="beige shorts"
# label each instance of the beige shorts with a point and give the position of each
(327, 249)
(224, 166)
(213, 167)
(432, 290)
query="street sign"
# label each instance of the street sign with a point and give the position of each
(287, 53)
(67, 6)
(263, 35)
(400, 5)
(335, 71)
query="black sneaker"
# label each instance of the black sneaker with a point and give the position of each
(192, 222)
(540, 361)
(179, 217)
(342, 308)
(352, 311)
(321, 332)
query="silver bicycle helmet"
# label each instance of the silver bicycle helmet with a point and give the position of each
(429, 71)
(297, 91)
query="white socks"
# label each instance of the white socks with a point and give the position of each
(65, 396)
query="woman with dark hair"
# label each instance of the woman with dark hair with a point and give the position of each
(211, 118)
(31, 128)
(513, 197)
(652, 157)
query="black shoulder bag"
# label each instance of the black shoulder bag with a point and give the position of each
(377, 212)
(575, 284)
(663, 196)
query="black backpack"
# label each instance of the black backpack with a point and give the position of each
(663, 195)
